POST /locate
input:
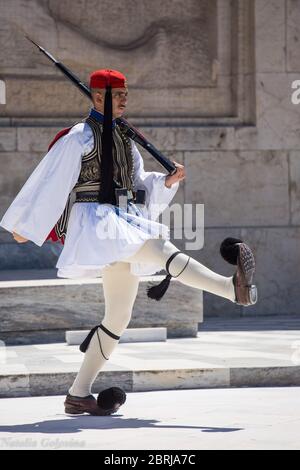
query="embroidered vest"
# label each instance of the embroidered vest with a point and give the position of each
(88, 185)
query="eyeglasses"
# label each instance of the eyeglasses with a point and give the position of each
(120, 94)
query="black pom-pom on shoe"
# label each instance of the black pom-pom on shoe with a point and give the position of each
(229, 250)
(111, 398)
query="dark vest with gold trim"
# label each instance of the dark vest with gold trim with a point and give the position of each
(88, 185)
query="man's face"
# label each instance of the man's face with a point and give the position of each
(119, 100)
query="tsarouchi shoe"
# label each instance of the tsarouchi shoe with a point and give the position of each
(79, 405)
(245, 291)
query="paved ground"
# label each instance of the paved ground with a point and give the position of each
(227, 353)
(237, 357)
(259, 418)
(209, 349)
(214, 359)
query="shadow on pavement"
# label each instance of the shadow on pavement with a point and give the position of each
(78, 423)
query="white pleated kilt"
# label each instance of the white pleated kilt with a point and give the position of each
(101, 234)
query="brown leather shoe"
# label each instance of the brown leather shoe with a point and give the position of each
(79, 405)
(245, 291)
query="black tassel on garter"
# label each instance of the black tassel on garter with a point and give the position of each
(85, 344)
(158, 291)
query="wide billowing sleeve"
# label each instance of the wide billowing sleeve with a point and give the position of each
(42, 199)
(158, 196)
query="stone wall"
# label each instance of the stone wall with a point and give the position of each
(210, 85)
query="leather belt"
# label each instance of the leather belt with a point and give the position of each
(87, 196)
(132, 196)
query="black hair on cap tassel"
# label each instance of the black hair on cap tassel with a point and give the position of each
(229, 250)
(107, 169)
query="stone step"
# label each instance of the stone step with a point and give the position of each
(41, 310)
(131, 335)
(212, 360)
(21, 384)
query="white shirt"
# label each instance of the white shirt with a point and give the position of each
(42, 199)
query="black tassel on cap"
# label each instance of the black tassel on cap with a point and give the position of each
(158, 291)
(109, 397)
(229, 250)
(107, 170)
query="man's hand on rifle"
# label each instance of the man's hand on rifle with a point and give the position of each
(178, 176)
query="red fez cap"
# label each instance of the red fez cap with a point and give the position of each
(105, 77)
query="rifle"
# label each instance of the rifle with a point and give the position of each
(125, 126)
